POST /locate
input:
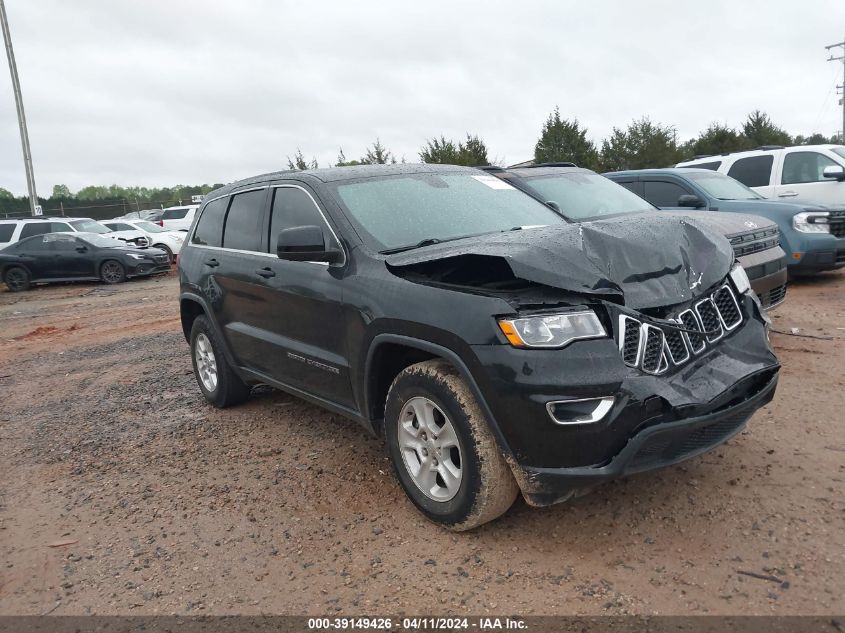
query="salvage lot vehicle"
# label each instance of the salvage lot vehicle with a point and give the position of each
(168, 241)
(812, 236)
(813, 174)
(12, 231)
(58, 257)
(177, 218)
(494, 357)
(581, 194)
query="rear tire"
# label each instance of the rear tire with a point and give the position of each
(218, 382)
(17, 279)
(112, 272)
(443, 451)
(166, 249)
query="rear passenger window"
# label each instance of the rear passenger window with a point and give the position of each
(801, 167)
(34, 228)
(292, 207)
(243, 222)
(755, 171)
(209, 231)
(663, 194)
(6, 231)
(174, 214)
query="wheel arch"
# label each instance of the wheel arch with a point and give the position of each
(384, 357)
(190, 307)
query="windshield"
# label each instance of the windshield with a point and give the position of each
(722, 187)
(102, 242)
(89, 226)
(838, 150)
(396, 211)
(583, 195)
(149, 227)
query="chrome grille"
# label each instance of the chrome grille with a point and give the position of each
(709, 315)
(691, 322)
(653, 348)
(653, 343)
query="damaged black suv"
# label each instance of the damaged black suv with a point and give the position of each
(496, 347)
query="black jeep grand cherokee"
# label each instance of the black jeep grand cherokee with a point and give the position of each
(496, 347)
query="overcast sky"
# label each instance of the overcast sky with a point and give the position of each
(161, 93)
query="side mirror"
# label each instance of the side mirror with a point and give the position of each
(81, 249)
(554, 206)
(836, 172)
(305, 244)
(690, 201)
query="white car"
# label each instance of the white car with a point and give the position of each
(157, 237)
(12, 231)
(804, 173)
(178, 218)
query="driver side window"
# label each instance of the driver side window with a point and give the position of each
(293, 207)
(801, 167)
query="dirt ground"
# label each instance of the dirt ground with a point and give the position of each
(121, 491)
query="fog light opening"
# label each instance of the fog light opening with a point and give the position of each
(580, 411)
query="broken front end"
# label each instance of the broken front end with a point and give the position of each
(650, 358)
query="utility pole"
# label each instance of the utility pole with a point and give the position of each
(16, 88)
(841, 58)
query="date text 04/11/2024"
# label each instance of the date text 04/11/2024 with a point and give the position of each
(419, 623)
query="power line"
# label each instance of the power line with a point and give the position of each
(16, 88)
(841, 58)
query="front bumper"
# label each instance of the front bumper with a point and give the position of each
(817, 253)
(766, 271)
(144, 269)
(552, 461)
(654, 447)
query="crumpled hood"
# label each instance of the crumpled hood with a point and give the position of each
(642, 263)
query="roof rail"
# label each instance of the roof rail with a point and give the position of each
(763, 148)
(551, 164)
(489, 168)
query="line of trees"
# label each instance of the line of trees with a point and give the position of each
(643, 143)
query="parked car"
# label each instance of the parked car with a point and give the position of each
(156, 236)
(496, 346)
(13, 230)
(581, 194)
(178, 218)
(54, 257)
(812, 236)
(812, 174)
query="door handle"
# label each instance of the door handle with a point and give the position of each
(788, 194)
(212, 263)
(265, 272)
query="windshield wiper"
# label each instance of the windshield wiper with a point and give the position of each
(426, 242)
(429, 241)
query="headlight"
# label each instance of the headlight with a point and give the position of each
(552, 330)
(740, 279)
(811, 222)
(136, 256)
(177, 238)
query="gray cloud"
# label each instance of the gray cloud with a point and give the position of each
(185, 91)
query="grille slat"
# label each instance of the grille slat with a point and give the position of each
(709, 316)
(727, 308)
(652, 348)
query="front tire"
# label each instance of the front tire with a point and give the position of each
(112, 272)
(218, 382)
(17, 279)
(443, 452)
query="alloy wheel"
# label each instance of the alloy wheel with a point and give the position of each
(430, 448)
(206, 362)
